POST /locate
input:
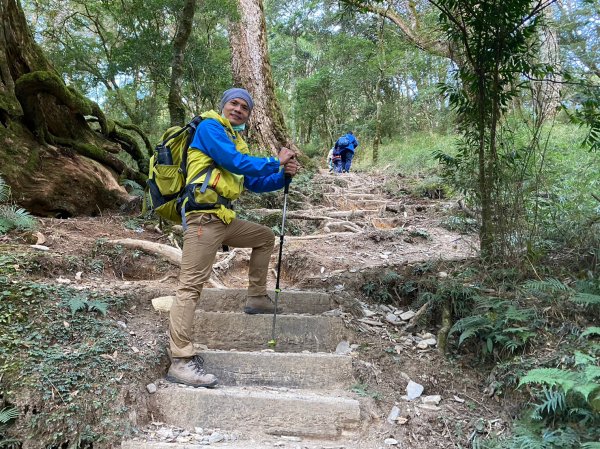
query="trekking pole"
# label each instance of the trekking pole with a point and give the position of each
(286, 189)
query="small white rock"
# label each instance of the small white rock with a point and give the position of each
(407, 315)
(430, 342)
(343, 348)
(151, 388)
(433, 399)
(40, 247)
(414, 390)
(391, 442)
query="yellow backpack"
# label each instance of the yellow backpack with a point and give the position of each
(168, 170)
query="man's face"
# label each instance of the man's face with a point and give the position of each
(236, 111)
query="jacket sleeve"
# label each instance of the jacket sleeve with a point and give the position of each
(260, 184)
(212, 140)
(355, 142)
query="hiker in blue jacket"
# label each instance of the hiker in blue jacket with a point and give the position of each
(344, 147)
(220, 167)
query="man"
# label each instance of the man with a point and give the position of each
(219, 168)
(344, 148)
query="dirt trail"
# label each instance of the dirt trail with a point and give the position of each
(347, 231)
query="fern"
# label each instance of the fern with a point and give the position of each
(551, 377)
(132, 187)
(586, 299)
(593, 445)
(553, 404)
(99, 306)
(7, 414)
(15, 217)
(4, 191)
(76, 304)
(594, 330)
(550, 285)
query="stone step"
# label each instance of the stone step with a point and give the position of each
(260, 443)
(257, 409)
(292, 301)
(291, 370)
(294, 333)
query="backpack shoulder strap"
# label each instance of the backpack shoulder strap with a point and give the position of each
(191, 129)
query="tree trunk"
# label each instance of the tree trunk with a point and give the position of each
(184, 29)
(54, 162)
(252, 70)
(546, 93)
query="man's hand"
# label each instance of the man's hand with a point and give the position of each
(285, 155)
(291, 167)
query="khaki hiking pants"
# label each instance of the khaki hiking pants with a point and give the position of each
(202, 239)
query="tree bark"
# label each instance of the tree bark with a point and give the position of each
(251, 69)
(54, 162)
(184, 29)
(546, 93)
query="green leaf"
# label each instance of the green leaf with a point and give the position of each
(595, 330)
(76, 304)
(6, 414)
(99, 306)
(550, 376)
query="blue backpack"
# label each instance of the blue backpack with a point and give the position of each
(342, 143)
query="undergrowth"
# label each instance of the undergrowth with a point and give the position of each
(65, 364)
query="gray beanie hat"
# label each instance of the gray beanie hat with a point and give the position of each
(236, 92)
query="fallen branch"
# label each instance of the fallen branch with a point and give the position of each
(170, 253)
(173, 255)
(323, 236)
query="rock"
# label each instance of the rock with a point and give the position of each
(392, 319)
(289, 438)
(433, 399)
(199, 430)
(40, 247)
(457, 399)
(422, 345)
(391, 442)
(414, 390)
(163, 303)
(165, 434)
(427, 335)
(370, 322)
(368, 313)
(394, 414)
(407, 315)
(122, 324)
(343, 348)
(442, 274)
(334, 312)
(430, 342)
(151, 388)
(215, 437)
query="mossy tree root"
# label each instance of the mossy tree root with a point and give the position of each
(103, 157)
(30, 85)
(138, 130)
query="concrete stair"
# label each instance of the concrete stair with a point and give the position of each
(299, 390)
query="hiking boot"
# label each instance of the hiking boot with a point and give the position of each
(190, 371)
(260, 304)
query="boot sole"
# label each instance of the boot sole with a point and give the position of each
(177, 381)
